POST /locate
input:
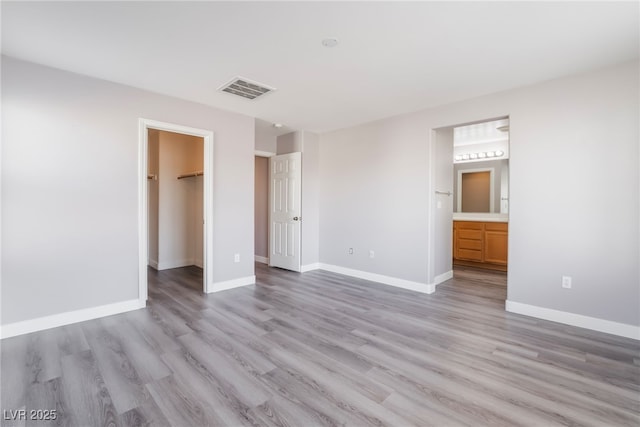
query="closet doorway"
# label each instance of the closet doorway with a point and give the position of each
(261, 207)
(175, 232)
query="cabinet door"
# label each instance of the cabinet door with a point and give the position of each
(455, 241)
(495, 247)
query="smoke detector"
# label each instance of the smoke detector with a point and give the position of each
(246, 88)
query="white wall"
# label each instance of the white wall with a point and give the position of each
(265, 137)
(373, 196)
(310, 199)
(180, 201)
(291, 142)
(261, 206)
(197, 214)
(574, 192)
(69, 189)
(443, 209)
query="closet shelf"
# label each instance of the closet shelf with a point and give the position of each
(190, 174)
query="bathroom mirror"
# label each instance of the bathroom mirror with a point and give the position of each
(481, 187)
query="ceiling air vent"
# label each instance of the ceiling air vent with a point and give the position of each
(246, 88)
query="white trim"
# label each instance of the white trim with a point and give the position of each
(261, 259)
(230, 284)
(431, 204)
(443, 277)
(207, 250)
(593, 323)
(387, 280)
(310, 267)
(143, 210)
(259, 153)
(62, 319)
(176, 263)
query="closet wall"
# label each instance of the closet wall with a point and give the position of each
(153, 171)
(261, 207)
(175, 205)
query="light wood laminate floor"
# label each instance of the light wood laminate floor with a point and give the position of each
(320, 349)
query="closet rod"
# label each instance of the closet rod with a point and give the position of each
(189, 175)
(152, 176)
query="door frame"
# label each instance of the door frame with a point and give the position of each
(267, 155)
(432, 279)
(143, 207)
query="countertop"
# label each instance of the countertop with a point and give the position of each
(484, 217)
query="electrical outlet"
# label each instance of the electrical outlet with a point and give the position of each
(236, 258)
(350, 251)
(372, 254)
(566, 282)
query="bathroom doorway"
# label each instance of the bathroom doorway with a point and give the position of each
(471, 203)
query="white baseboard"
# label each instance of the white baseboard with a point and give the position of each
(175, 263)
(310, 267)
(153, 263)
(593, 323)
(168, 265)
(261, 259)
(442, 277)
(230, 284)
(387, 280)
(62, 319)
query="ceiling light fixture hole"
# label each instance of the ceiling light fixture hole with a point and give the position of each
(330, 42)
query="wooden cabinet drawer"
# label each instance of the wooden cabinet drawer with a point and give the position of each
(468, 225)
(470, 244)
(470, 255)
(470, 234)
(496, 226)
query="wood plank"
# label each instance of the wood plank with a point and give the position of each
(88, 397)
(127, 388)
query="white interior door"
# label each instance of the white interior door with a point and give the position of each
(285, 178)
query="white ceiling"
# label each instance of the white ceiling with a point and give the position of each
(393, 57)
(480, 133)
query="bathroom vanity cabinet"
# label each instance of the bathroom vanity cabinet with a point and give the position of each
(481, 244)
